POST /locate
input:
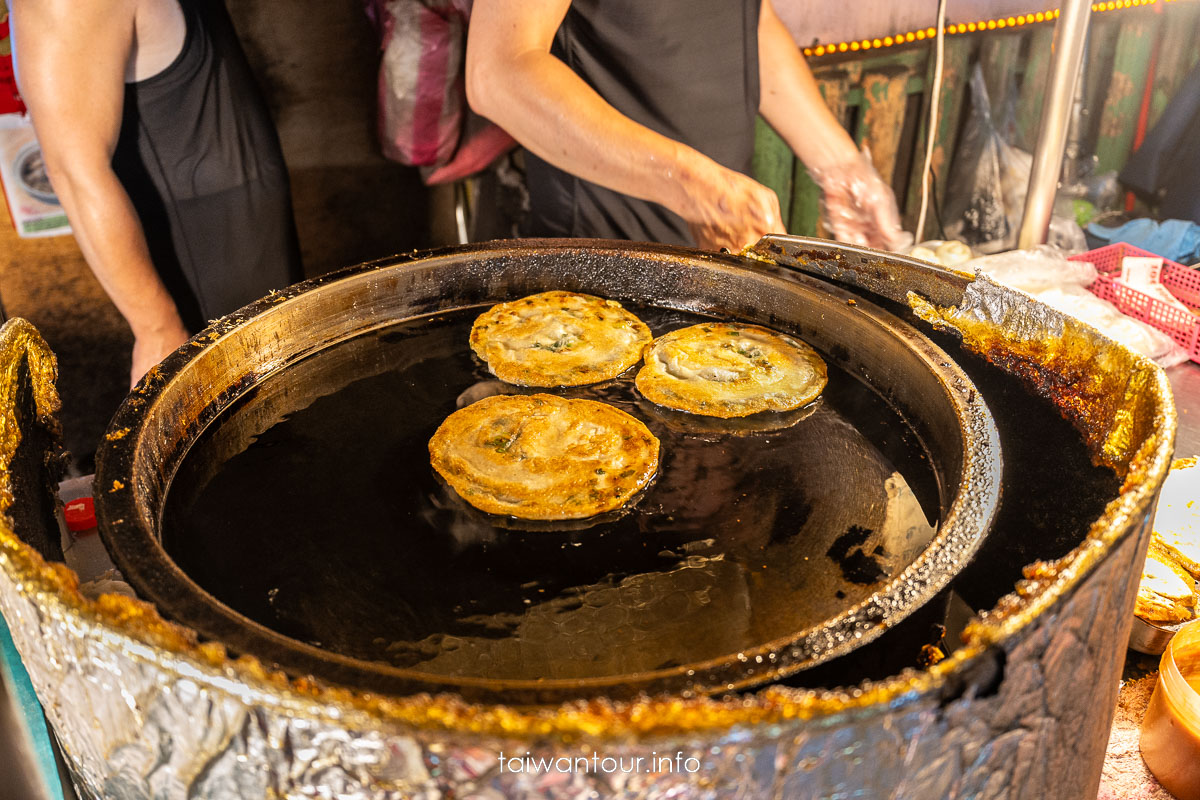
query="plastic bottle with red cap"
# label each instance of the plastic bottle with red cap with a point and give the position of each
(84, 552)
(80, 516)
(83, 549)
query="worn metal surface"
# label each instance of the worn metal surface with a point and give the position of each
(1045, 349)
(884, 274)
(954, 82)
(1032, 95)
(1020, 711)
(1130, 67)
(26, 760)
(1178, 50)
(187, 394)
(886, 100)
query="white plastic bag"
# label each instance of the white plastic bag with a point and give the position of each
(1060, 283)
(1034, 270)
(986, 195)
(421, 93)
(1106, 318)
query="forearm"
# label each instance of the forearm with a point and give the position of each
(73, 55)
(514, 80)
(791, 102)
(111, 238)
(556, 115)
(856, 205)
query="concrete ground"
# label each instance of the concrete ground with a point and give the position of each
(317, 63)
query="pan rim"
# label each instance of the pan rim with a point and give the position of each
(128, 524)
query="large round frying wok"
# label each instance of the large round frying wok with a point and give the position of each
(269, 488)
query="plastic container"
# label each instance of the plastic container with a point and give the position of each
(85, 553)
(1181, 281)
(1170, 735)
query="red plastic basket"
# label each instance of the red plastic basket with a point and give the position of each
(1181, 281)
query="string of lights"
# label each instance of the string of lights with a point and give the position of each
(966, 27)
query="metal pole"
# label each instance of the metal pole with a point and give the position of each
(1070, 33)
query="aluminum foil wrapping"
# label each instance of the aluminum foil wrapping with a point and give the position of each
(1020, 711)
(1107, 391)
(136, 723)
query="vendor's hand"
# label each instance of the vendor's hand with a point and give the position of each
(153, 346)
(857, 207)
(726, 209)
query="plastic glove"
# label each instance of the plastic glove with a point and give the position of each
(857, 207)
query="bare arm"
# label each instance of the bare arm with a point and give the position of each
(858, 206)
(790, 100)
(73, 58)
(513, 79)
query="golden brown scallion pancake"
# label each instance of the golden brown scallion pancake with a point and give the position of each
(1177, 516)
(559, 339)
(544, 457)
(723, 369)
(1166, 593)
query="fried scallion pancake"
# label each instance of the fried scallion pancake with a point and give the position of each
(544, 457)
(559, 339)
(1166, 594)
(722, 369)
(1177, 517)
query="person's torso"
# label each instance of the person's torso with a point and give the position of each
(687, 69)
(159, 30)
(200, 160)
(199, 126)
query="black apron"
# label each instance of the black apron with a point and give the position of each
(687, 69)
(200, 158)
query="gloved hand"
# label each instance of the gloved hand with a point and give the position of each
(857, 207)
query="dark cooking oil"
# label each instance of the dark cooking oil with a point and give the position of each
(1051, 493)
(310, 507)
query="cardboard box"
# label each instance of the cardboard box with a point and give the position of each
(31, 201)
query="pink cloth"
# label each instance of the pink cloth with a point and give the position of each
(423, 116)
(10, 100)
(482, 144)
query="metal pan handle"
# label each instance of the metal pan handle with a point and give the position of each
(885, 274)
